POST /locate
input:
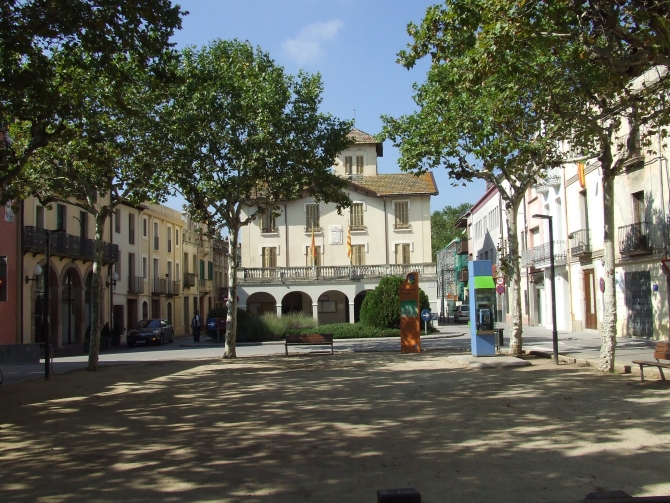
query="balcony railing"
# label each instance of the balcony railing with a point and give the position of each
(173, 287)
(462, 276)
(331, 273)
(540, 255)
(463, 248)
(580, 242)
(400, 226)
(308, 228)
(552, 178)
(355, 228)
(205, 285)
(634, 239)
(135, 284)
(65, 245)
(189, 279)
(159, 286)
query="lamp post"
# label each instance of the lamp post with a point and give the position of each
(554, 333)
(47, 355)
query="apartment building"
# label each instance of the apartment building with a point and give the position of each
(389, 228)
(10, 275)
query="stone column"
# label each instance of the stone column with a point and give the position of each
(315, 312)
(351, 312)
(278, 307)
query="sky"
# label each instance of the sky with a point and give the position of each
(353, 44)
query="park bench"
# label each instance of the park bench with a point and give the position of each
(309, 340)
(662, 352)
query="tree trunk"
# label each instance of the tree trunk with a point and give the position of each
(231, 320)
(608, 333)
(96, 294)
(514, 276)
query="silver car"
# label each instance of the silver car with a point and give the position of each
(462, 313)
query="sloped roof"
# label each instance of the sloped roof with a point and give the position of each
(362, 137)
(397, 184)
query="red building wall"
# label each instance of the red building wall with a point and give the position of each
(9, 248)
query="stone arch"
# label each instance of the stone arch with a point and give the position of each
(71, 305)
(261, 303)
(297, 302)
(333, 307)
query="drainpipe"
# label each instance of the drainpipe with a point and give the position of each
(386, 233)
(568, 250)
(286, 253)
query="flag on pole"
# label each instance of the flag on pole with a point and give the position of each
(312, 250)
(349, 251)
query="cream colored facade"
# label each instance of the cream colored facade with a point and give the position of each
(390, 234)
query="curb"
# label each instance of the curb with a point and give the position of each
(583, 362)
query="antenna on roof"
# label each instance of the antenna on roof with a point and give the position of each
(354, 116)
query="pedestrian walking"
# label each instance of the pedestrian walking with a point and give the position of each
(196, 323)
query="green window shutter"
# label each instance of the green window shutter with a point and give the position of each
(210, 270)
(202, 269)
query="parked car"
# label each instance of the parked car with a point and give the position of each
(154, 331)
(462, 313)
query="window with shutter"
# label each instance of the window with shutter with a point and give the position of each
(401, 215)
(402, 253)
(117, 220)
(358, 254)
(269, 257)
(312, 217)
(210, 270)
(359, 164)
(356, 217)
(348, 164)
(267, 221)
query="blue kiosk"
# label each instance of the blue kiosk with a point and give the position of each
(481, 289)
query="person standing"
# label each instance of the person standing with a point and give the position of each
(196, 323)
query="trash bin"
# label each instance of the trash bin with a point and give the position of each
(500, 339)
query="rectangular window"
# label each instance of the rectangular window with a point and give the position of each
(638, 207)
(402, 253)
(117, 220)
(155, 235)
(39, 217)
(310, 259)
(185, 263)
(358, 254)
(156, 270)
(348, 164)
(131, 264)
(145, 225)
(269, 257)
(61, 217)
(176, 237)
(268, 222)
(145, 272)
(169, 239)
(169, 271)
(356, 217)
(210, 270)
(117, 265)
(401, 215)
(312, 217)
(83, 225)
(176, 272)
(131, 228)
(202, 269)
(359, 164)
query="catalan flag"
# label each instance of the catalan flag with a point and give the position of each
(349, 251)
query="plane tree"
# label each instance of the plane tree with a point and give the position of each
(109, 155)
(244, 137)
(44, 44)
(587, 99)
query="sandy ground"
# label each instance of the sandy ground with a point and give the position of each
(324, 428)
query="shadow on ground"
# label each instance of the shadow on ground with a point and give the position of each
(331, 428)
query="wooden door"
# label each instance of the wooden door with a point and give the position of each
(591, 319)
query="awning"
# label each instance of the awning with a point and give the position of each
(484, 282)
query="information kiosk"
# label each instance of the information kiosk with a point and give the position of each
(481, 288)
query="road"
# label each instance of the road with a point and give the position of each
(582, 345)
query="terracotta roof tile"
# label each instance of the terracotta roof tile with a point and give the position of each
(361, 137)
(398, 184)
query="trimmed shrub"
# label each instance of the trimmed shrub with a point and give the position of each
(280, 326)
(381, 307)
(349, 331)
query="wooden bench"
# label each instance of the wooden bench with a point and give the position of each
(662, 352)
(309, 340)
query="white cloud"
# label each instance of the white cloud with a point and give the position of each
(307, 46)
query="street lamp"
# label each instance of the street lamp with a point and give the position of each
(554, 333)
(36, 274)
(47, 367)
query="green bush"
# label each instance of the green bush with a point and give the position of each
(280, 326)
(381, 307)
(349, 331)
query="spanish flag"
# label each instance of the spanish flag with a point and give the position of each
(312, 250)
(349, 252)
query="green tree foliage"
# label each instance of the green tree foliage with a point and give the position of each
(381, 306)
(46, 44)
(443, 228)
(245, 136)
(107, 156)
